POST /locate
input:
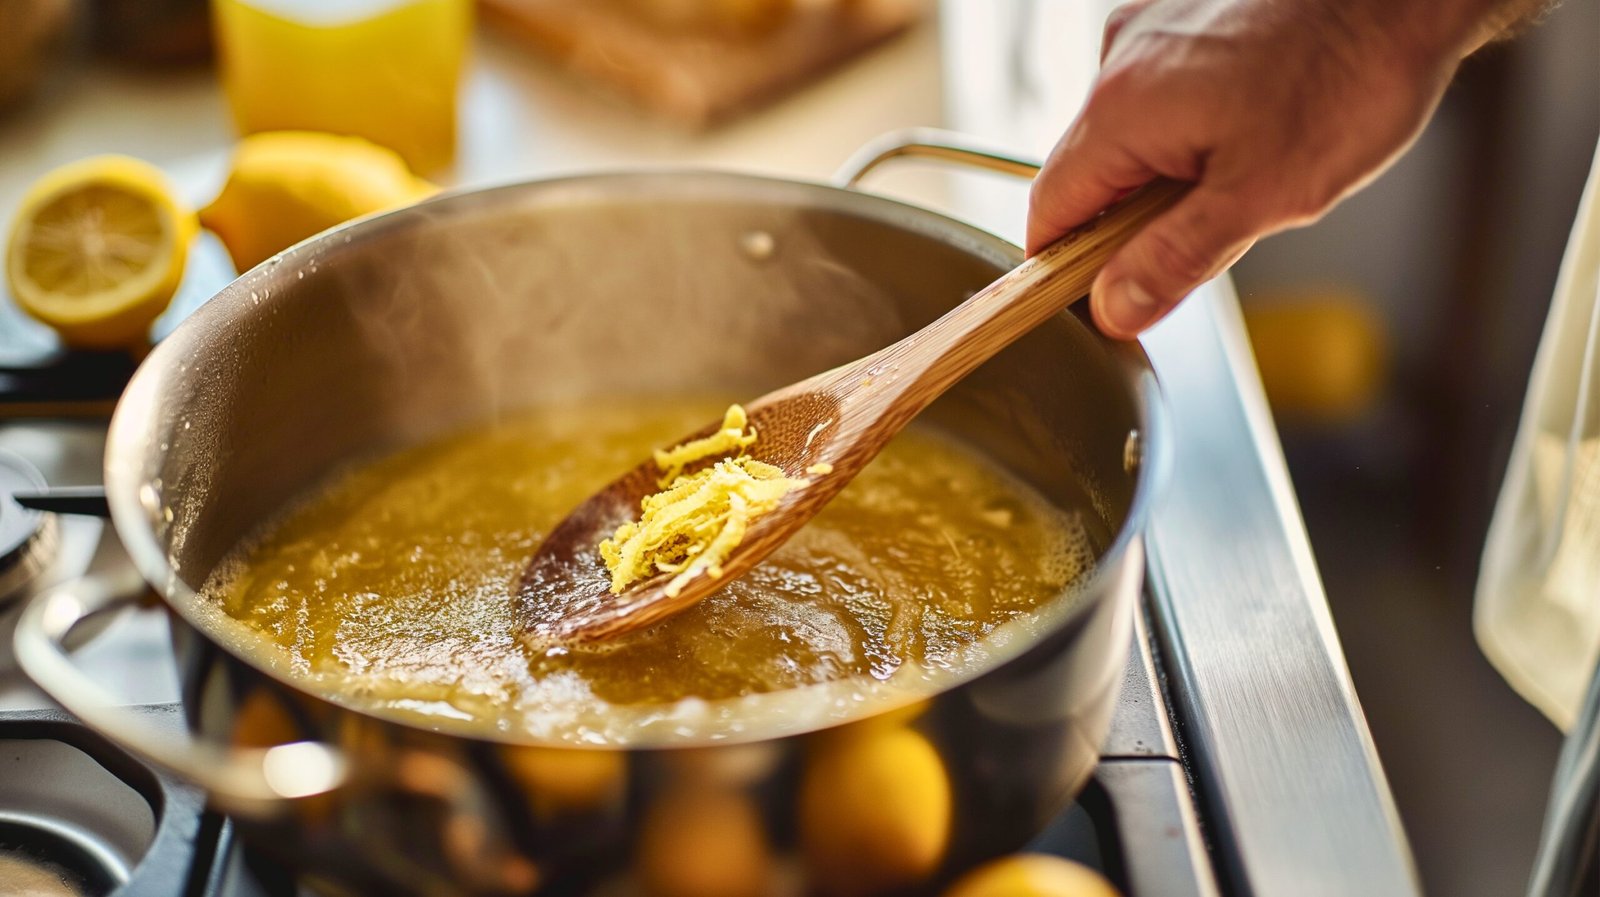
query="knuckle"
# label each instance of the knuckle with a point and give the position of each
(1122, 12)
(1047, 197)
(1116, 19)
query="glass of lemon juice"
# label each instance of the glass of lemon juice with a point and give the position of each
(386, 70)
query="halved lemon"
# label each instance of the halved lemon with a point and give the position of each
(97, 249)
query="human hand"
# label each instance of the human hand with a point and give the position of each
(1274, 109)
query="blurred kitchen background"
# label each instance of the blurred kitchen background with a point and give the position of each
(1395, 337)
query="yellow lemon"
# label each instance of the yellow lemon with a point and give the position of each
(704, 843)
(1032, 875)
(285, 186)
(1322, 356)
(875, 811)
(97, 249)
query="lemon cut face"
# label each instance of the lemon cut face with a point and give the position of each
(97, 250)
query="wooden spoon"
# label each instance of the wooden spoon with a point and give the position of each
(841, 418)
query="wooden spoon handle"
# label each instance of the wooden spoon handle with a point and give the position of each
(994, 317)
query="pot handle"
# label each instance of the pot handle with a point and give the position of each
(250, 780)
(930, 143)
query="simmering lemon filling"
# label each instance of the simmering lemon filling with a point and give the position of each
(392, 586)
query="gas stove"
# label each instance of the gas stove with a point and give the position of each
(1238, 761)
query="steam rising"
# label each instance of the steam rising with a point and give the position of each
(482, 314)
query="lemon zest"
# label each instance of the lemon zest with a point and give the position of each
(735, 435)
(692, 525)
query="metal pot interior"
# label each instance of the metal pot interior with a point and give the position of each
(469, 306)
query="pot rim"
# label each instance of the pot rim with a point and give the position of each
(136, 530)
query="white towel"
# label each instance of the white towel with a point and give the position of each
(1538, 602)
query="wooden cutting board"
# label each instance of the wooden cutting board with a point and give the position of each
(700, 76)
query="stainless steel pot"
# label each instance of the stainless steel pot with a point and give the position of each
(410, 324)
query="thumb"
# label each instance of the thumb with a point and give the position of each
(1184, 247)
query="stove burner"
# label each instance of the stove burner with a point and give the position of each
(29, 540)
(39, 863)
(79, 817)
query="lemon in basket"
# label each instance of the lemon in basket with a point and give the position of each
(285, 186)
(97, 249)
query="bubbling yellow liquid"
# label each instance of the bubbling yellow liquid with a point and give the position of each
(391, 587)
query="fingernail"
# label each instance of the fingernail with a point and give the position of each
(1128, 307)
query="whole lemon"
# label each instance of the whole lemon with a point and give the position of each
(1032, 875)
(285, 186)
(875, 811)
(699, 842)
